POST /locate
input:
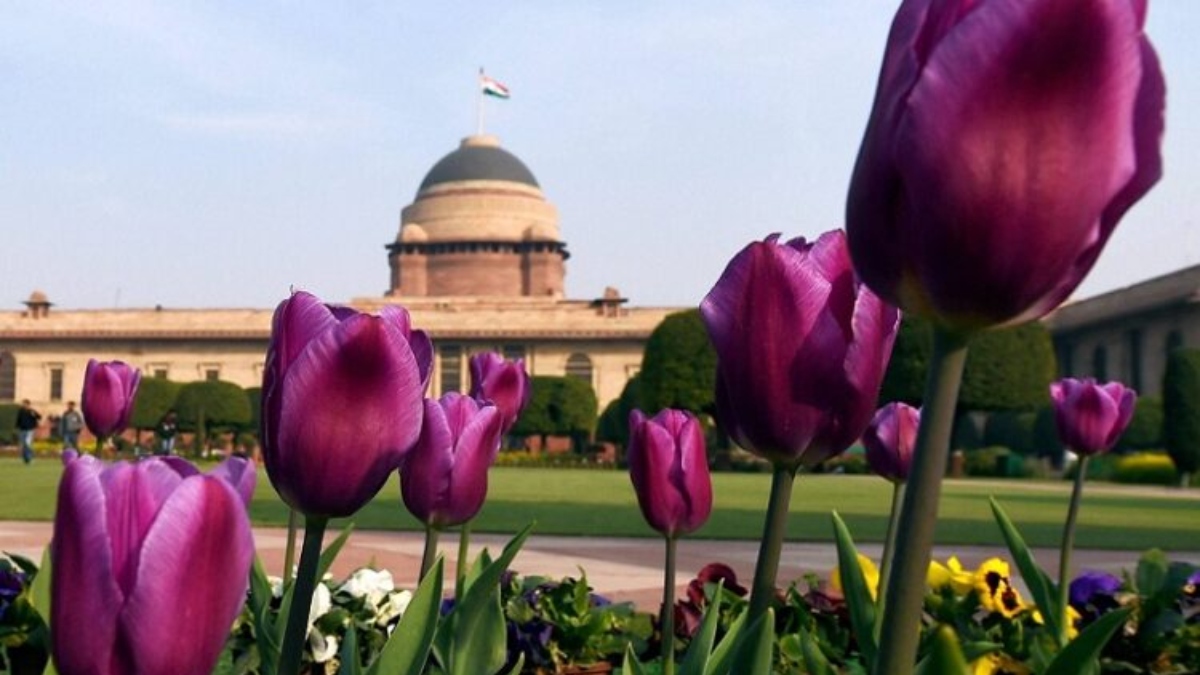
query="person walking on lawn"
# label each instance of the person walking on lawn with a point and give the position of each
(27, 422)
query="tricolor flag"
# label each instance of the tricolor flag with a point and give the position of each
(493, 88)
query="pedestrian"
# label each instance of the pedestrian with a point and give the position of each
(168, 426)
(27, 422)
(69, 426)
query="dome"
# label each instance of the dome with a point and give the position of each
(478, 158)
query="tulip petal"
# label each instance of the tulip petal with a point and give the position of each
(192, 579)
(425, 476)
(696, 485)
(108, 392)
(1003, 120)
(240, 473)
(135, 494)
(85, 595)
(297, 321)
(474, 452)
(359, 377)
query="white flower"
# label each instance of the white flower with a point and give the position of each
(374, 585)
(323, 647)
(276, 586)
(396, 605)
(322, 602)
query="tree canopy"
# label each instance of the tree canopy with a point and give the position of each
(219, 404)
(679, 366)
(155, 396)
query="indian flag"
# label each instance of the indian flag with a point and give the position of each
(492, 87)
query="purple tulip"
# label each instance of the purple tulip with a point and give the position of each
(342, 394)
(149, 569)
(890, 439)
(1006, 141)
(801, 348)
(504, 384)
(108, 391)
(668, 465)
(239, 472)
(444, 480)
(1091, 417)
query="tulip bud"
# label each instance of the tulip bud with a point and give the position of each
(504, 384)
(342, 394)
(444, 479)
(109, 388)
(149, 569)
(668, 465)
(1091, 417)
(890, 439)
(801, 349)
(1006, 142)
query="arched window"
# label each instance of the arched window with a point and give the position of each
(1100, 363)
(579, 365)
(8, 376)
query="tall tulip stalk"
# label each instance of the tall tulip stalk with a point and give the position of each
(801, 348)
(889, 441)
(342, 406)
(109, 388)
(668, 464)
(1090, 418)
(1006, 142)
(443, 482)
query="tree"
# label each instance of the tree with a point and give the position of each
(212, 405)
(1181, 411)
(679, 366)
(613, 425)
(1007, 369)
(559, 406)
(254, 398)
(155, 396)
(1145, 430)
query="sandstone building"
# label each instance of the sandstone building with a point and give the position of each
(479, 261)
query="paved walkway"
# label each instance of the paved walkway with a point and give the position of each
(624, 569)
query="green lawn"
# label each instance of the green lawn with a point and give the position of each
(583, 502)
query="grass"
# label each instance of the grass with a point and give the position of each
(602, 503)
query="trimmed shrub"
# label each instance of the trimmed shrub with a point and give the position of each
(1145, 429)
(967, 434)
(1012, 430)
(1145, 468)
(155, 396)
(679, 366)
(215, 403)
(8, 423)
(1181, 410)
(559, 406)
(994, 462)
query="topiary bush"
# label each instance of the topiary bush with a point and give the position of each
(1144, 468)
(155, 396)
(1181, 411)
(8, 423)
(679, 366)
(1145, 429)
(1012, 430)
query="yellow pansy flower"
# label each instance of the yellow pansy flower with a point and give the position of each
(951, 574)
(998, 664)
(870, 575)
(996, 592)
(1073, 615)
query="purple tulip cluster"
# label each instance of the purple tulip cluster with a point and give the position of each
(1090, 416)
(1006, 141)
(801, 347)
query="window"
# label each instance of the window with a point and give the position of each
(160, 373)
(56, 383)
(8, 376)
(451, 367)
(1133, 344)
(1100, 363)
(579, 365)
(212, 374)
(513, 352)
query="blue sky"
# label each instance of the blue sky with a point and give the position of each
(216, 154)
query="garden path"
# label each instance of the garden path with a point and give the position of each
(623, 569)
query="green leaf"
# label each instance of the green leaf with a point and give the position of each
(722, 656)
(814, 659)
(695, 660)
(348, 657)
(39, 594)
(854, 587)
(756, 653)
(945, 657)
(266, 635)
(1043, 590)
(407, 649)
(1080, 655)
(1151, 572)
(518, 666)
(473, 639)
(631, 666)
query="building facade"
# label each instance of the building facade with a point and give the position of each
(479, 262)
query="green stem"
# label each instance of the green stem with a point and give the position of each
(306, 582)
(289, 553)
(667, 616)
(431, 544)
(889, 552)
(460, 576)
(898, 635)
(99, 446)
(1064, 558)
(769, 549)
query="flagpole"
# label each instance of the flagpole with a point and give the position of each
(479, 105)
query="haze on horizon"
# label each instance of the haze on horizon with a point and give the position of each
(217, 156)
